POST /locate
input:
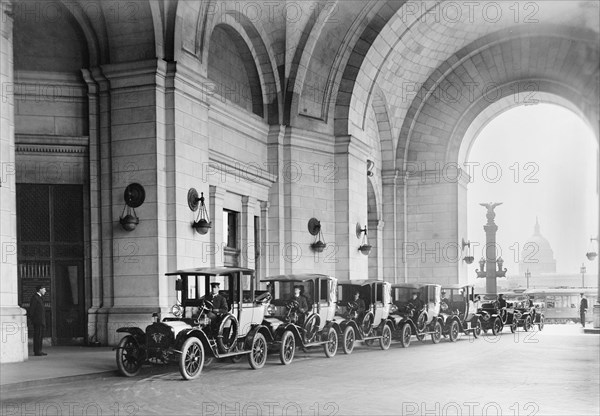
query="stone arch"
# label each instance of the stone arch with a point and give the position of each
(387, 145)
(234, 88)
(436, 119)
(261, 54)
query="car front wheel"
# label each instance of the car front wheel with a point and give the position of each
(476, 325)
(527, 323)
(288, 348)
(386, 338)
(405, 335)
(497, 326)
(454, 330)
(258, 357)
(330, 348)
(348, 340)
(437, 333)
(541, 323)
(129, 356)
(191, 359)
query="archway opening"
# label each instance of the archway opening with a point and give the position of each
(540, 161)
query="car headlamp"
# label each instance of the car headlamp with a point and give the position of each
(271, 310)
(177, 310)
(393, 309)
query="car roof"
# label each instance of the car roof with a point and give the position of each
(455, 286)
(299, 277)
(407, 285)
(209, 271)
(362, 282)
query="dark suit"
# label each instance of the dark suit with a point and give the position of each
(583, 305)
(447, 302)
(219, 303)
(501, 302)
(37, 313)
(302, 304)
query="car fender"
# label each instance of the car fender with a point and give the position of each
(259, 329)
(137, 333)
(334, 325)
(193, 332)
(288, 327)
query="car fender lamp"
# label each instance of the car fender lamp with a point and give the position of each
(134, 197)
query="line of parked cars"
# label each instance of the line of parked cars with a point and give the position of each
(222, 314)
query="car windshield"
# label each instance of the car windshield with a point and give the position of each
(346, 293)
(282, 291)
(488, 298)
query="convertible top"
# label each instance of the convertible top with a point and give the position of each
(455, 286)
(300, 277)
(209, 271)
(407, 285)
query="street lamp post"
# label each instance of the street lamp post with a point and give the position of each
(490, 266)
(527, 275)
(582, 270)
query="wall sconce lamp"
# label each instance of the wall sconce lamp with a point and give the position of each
(365, 247)
(202, 222)
(134, 196)
(314, 228)
(370, 166)
(592, 253)
(468, 258)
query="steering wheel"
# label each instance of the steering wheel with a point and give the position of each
(352, 305)
(264, 298)
(207, 304)
(292, 305)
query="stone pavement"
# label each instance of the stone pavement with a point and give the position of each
(60, 363)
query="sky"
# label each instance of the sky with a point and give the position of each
(542, 162)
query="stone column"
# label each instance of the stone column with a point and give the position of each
(214, 253)
(375, 237)
(263, 267)
(350, 206)
(13, 322)
(247, 228)
(390, 250)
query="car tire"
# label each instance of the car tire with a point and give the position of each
(191, 359)
(476, 326)
(129, 356)
(235, 359)
(226, 345)
(513, 327)
(258, 356)
(421, 337)
(288, 348)
(405, 335)
(436, 336)
(527, 324)
(541, 323)
(348, 338)
(330, 347)
(454, 331)
(386, 338)
(497, 326)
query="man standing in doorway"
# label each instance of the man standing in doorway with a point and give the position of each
(37, 313)
(583, 305)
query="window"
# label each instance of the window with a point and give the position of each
(230, 228)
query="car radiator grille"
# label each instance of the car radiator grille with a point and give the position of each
(159, 336)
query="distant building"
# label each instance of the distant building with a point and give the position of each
(537, 255)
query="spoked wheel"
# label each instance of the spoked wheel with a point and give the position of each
(227, 334)
(331, 346)
(476, 325)
(208, 360)
(454, 330)
(310, 328)
(541, 323)
(405, 335)
(497, 326)
(437, 333)
(288, 347)
(386, 338)
(129, 356)
(527, 324)
(513, 327)
(235, 359)
(258, 357)
(191, 359)
(348, 338)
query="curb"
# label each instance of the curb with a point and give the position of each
(54, 380)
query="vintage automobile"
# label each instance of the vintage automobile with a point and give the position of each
(522, 314)
(493, 317)
(460, 313)
(410, 320)
(290, 328)
(193, 331)
(372, 322)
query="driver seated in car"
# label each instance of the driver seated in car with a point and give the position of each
(501, 301)
(356, 306)
(417, 304)
(297, 310)
(445, 303)
(219, 303)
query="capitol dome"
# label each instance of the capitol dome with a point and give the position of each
(537, 255)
